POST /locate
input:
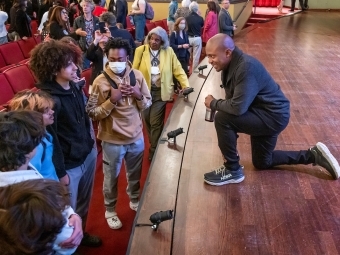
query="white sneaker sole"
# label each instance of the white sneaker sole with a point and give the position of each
(225, 182)
(330, 158)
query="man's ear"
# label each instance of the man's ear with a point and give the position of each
(228, 53)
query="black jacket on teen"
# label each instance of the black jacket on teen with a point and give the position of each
(71, 130)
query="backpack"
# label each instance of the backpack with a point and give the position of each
(149, 12)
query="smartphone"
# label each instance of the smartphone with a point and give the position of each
(102, 27)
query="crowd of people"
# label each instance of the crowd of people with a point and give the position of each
(48, 145)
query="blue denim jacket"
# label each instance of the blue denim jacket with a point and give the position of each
(172, 10)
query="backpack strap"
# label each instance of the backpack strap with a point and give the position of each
(114, 84)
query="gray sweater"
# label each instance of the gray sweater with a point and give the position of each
(249, 87)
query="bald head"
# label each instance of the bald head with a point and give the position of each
(219, 50)
(222, 41)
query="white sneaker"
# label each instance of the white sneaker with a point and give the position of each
(112, 220)
(134, 206)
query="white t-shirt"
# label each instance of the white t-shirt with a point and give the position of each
(135, 4)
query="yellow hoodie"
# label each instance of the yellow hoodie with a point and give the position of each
(119, 123)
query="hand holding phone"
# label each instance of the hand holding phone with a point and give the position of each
(102, 27)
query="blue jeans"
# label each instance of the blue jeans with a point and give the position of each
(139, 20)
(113, 156)
(3, 40)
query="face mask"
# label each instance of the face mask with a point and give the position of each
(117, 67)
(181, 26)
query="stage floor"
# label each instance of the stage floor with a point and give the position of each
(288, 210)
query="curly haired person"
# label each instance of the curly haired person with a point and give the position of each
(54, 64)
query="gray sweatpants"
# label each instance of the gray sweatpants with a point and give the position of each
(113, 155)
(81, 184)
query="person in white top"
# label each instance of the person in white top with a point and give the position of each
(20, 134)
(3, 30)
(138, 13)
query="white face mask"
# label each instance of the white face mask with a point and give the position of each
(181, 26)
(117, 67)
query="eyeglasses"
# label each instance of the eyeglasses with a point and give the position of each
(64, 12)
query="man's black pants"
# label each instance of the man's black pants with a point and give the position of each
(263, 129)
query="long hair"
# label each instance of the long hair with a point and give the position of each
(162, 34)
(31, 216)
(179, 20)
(56, 17)
(212, 6)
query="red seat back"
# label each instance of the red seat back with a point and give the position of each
(26, 46)
(128, 23)
(149, 27)
(11, 53)
(159, 23)
(165, 25)
(87, 75)
(2, 61)
(7, 92)
(19, 77)
(34, 26)
(37, 38)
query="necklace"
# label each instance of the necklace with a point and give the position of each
(154, 60)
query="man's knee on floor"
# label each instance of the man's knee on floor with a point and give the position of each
(261, 164)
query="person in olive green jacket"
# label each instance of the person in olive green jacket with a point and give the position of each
(158, 63)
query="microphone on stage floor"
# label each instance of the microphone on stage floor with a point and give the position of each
(202, 67)
(174, 133)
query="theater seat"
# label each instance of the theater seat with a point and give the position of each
(149, 27)
(165, 25)
(34, 26)
(19, 77)
(37, 38)
(26, 46)
(2, 61)
(87, 75)
(159, 23)
(7, 92)
(11, 53)
(128, 23)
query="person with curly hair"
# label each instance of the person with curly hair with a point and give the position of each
(54, 64)
(158, 64)
(20, 232)
(59, 26)
(117, 99)
(20, 133)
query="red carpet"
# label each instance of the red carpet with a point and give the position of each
(114, 241)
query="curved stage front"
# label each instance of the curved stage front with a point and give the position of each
(287, 210)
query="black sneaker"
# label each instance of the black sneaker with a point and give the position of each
(324, 158)
(91, 241)
(222, 175)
